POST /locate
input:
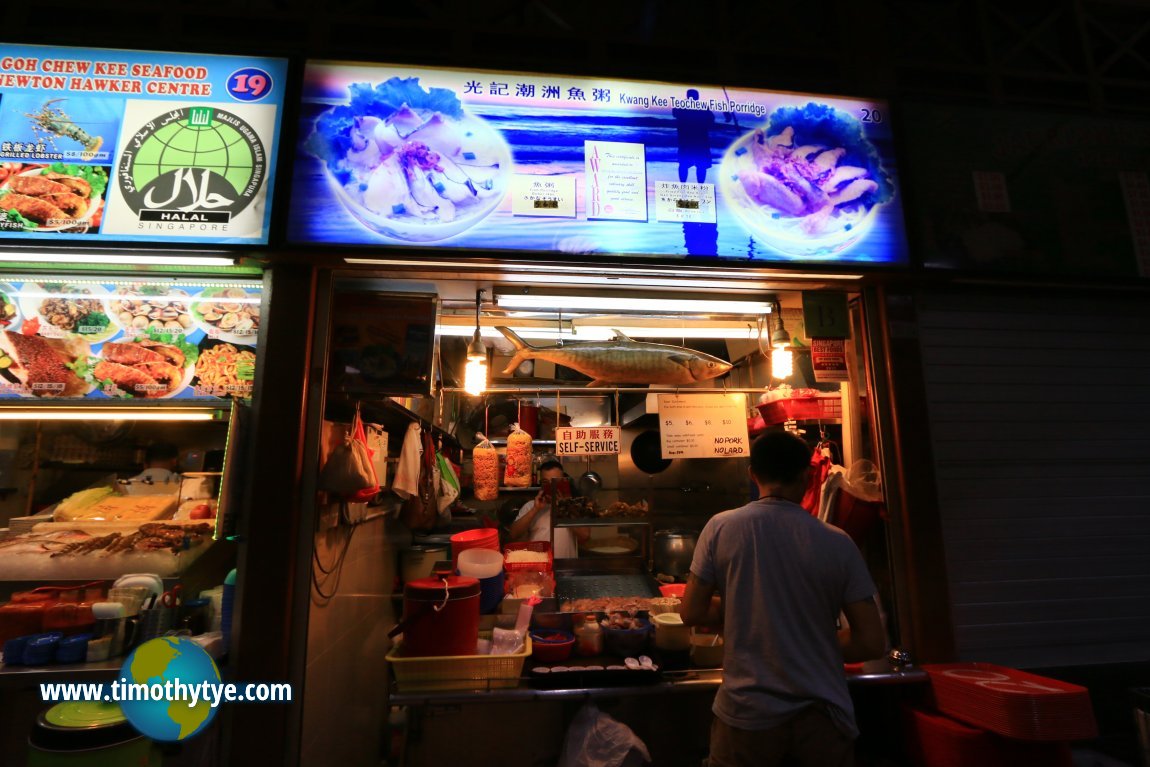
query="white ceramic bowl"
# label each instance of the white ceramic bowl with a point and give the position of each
(414, 229)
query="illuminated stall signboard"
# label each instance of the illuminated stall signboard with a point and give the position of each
(69, 338)
(135, 146)
(469, 160)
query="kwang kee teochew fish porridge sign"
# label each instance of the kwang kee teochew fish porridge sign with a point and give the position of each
(399, 156)
(129, 145)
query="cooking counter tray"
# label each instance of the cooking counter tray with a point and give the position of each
(604, 585)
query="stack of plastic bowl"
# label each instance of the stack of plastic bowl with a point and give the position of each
(486, 565)
(479, 538)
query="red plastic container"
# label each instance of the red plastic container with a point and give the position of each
(551, 646)
(21, 618)
(440, 617)
(676, 590)
(480, 538)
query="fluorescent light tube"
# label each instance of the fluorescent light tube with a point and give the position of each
(631, 304)
(48, 413)
(117, 258)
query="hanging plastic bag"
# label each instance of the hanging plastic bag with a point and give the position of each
(595, 739)
(348, 472)
(485, 470)
(448, 483)
(517, 473)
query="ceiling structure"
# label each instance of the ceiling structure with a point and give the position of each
(1090, 55)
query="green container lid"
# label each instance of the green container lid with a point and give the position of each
(81, 726)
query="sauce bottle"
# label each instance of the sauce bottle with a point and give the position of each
(589, 637)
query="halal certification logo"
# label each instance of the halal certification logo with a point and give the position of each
(196, 165)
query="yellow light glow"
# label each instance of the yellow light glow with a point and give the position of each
(103, 414)
(475, 377)
(782, 363)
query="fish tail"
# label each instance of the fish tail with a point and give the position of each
(523, 350)
(514, 338)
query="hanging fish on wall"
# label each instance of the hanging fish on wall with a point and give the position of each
(622, 360)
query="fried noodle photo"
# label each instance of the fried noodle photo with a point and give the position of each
(226, 369)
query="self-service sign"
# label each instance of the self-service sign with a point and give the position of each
(587, 440)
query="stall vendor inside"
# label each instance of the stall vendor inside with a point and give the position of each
(159, 474)
(534, 520)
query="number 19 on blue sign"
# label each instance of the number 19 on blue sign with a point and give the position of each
(249, 84)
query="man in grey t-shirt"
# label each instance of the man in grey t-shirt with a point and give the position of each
(782, 578)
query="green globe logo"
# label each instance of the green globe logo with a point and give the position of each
(169, 659)
(198, 161)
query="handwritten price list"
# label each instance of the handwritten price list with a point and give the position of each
(703, 426)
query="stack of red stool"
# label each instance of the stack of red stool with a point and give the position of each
(990, 715)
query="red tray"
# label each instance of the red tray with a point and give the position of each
(1011, 702)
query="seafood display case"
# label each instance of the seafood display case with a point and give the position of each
(95, 373)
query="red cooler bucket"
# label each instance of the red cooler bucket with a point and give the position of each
(440, 616)
(480, 538)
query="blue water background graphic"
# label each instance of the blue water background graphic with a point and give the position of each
(551, 142)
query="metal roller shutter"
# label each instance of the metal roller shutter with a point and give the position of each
(1040, 423)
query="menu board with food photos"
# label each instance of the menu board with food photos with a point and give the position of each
(73, 338)
(482, 161)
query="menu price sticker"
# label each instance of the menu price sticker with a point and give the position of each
(552, 196)
(584, 440)
(703, 426)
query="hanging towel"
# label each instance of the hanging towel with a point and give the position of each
(406, 483)
(377, 441)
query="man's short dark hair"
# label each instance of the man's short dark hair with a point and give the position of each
(161, 451)
(550, 464)
(779, 457)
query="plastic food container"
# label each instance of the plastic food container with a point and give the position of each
(706, 650)
(676, 590)
(480, 563)
(479, 538)
(626, 642)
(548, 646)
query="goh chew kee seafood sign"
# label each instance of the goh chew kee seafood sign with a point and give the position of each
(486, 160)
(132, 340)
(130, 145)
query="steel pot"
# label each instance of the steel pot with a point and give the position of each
(673, 550)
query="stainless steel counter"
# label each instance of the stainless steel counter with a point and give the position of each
(877, 672)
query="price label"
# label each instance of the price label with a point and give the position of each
(703, 426)
(587, 440)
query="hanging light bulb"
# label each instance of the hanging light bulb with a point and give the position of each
(782, 363)
(782, 359)
(475, 374)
